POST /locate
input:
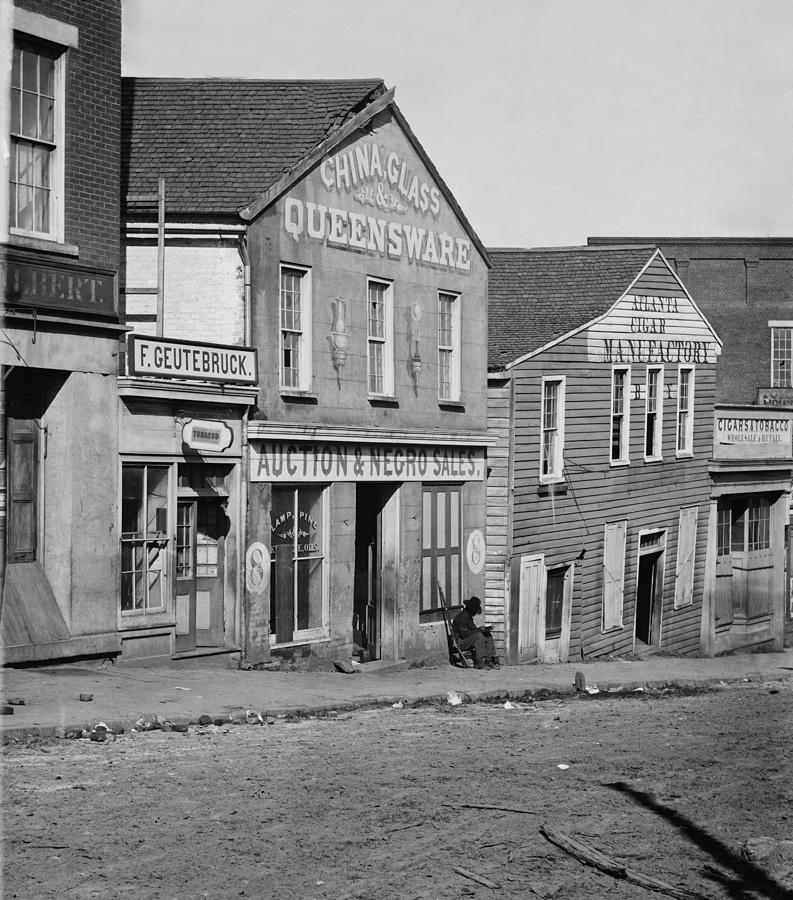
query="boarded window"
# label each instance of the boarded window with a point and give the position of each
(686, 549)
(613, 574)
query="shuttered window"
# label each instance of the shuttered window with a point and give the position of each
(22, 481)
(686, 549)
(440, 546)
(613, 574)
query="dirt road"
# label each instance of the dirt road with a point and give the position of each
(371, 804)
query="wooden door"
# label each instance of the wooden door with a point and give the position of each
(200, 540)
(531, 607)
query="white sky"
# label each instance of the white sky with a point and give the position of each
(550, 120)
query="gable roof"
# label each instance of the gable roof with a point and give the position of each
(538, 295)
(221, 142)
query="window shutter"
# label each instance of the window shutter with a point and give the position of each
(686, 547)
(22, 479)
(613, 574)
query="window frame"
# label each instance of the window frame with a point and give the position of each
(144, 539)
(303, 352)
(322, 631)
(657, 448)
(385, 341)
(687, 448)
(781, 326)
(431, 552)
(453, 349)
(624, 459)
(555, 473)
(24, 41)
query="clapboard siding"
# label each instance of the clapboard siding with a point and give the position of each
(646, 494)
(499, 424)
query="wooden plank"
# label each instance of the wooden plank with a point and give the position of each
(31, 614)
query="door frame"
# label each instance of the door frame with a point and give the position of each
(657, 608)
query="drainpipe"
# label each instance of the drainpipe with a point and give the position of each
(244, 466)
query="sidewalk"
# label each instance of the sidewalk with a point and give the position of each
(120, 696)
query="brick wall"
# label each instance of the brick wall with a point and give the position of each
(93, 115)
(204, 291)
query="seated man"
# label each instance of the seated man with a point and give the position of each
(471, 637)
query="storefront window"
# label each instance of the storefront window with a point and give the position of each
(297, 541)
(440, 547)
(144, 538)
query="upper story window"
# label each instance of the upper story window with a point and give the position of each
(552, 429)
(295, 319)
(381, 337)
(653, 413)
(36, 164)
(781, 354)
(448, 346)
(685, 411)
(620, 414)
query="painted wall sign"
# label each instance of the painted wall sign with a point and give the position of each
(277, 461)
(192, 360)
(257, 568)
(652, 329)
(775, 397)
(370, 189)
(204, 434)
(475, 551)
(750, 435)
(58, 285)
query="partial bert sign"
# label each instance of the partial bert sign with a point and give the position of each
(161, 358)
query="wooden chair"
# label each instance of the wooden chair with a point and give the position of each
(463, 659)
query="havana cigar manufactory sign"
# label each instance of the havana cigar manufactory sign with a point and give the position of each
(652, 329)
(379, 202)
(302, 461)
(160, 358)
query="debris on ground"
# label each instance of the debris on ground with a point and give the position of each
(345, 665)
(86, 698)
(398, 705)
(453, 698)
(15, 701)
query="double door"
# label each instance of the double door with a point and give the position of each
(201, 528)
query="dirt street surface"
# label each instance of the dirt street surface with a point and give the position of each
(390, 803)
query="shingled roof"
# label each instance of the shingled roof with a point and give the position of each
(535, 296)
(220, 143)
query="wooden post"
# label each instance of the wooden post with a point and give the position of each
(160, 255)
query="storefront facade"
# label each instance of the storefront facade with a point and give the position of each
(747, 594)
(367, 476)
(598, 487)
(59, 258)
(182, 492)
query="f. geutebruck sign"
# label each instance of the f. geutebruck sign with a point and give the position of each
(162, 358)
(303, 461)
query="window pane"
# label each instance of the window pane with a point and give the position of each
(454, 531)
(41, 200)
(132, 500)
(16, 68)
(16, 110)
(554, 601)
(47, 76)
(157, 488)
(30, 71)
(30, 115)
(47, 119)
(309, 594)
(309, 522)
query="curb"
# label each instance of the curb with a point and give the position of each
(486, 695)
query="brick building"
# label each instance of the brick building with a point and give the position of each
(304, 222)
(745, 287)
(59, 254)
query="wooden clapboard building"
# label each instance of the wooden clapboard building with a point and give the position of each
(745, 287)
(600, 395)
(305, 221)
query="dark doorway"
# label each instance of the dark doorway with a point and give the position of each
(648, 601)
(367, 604)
